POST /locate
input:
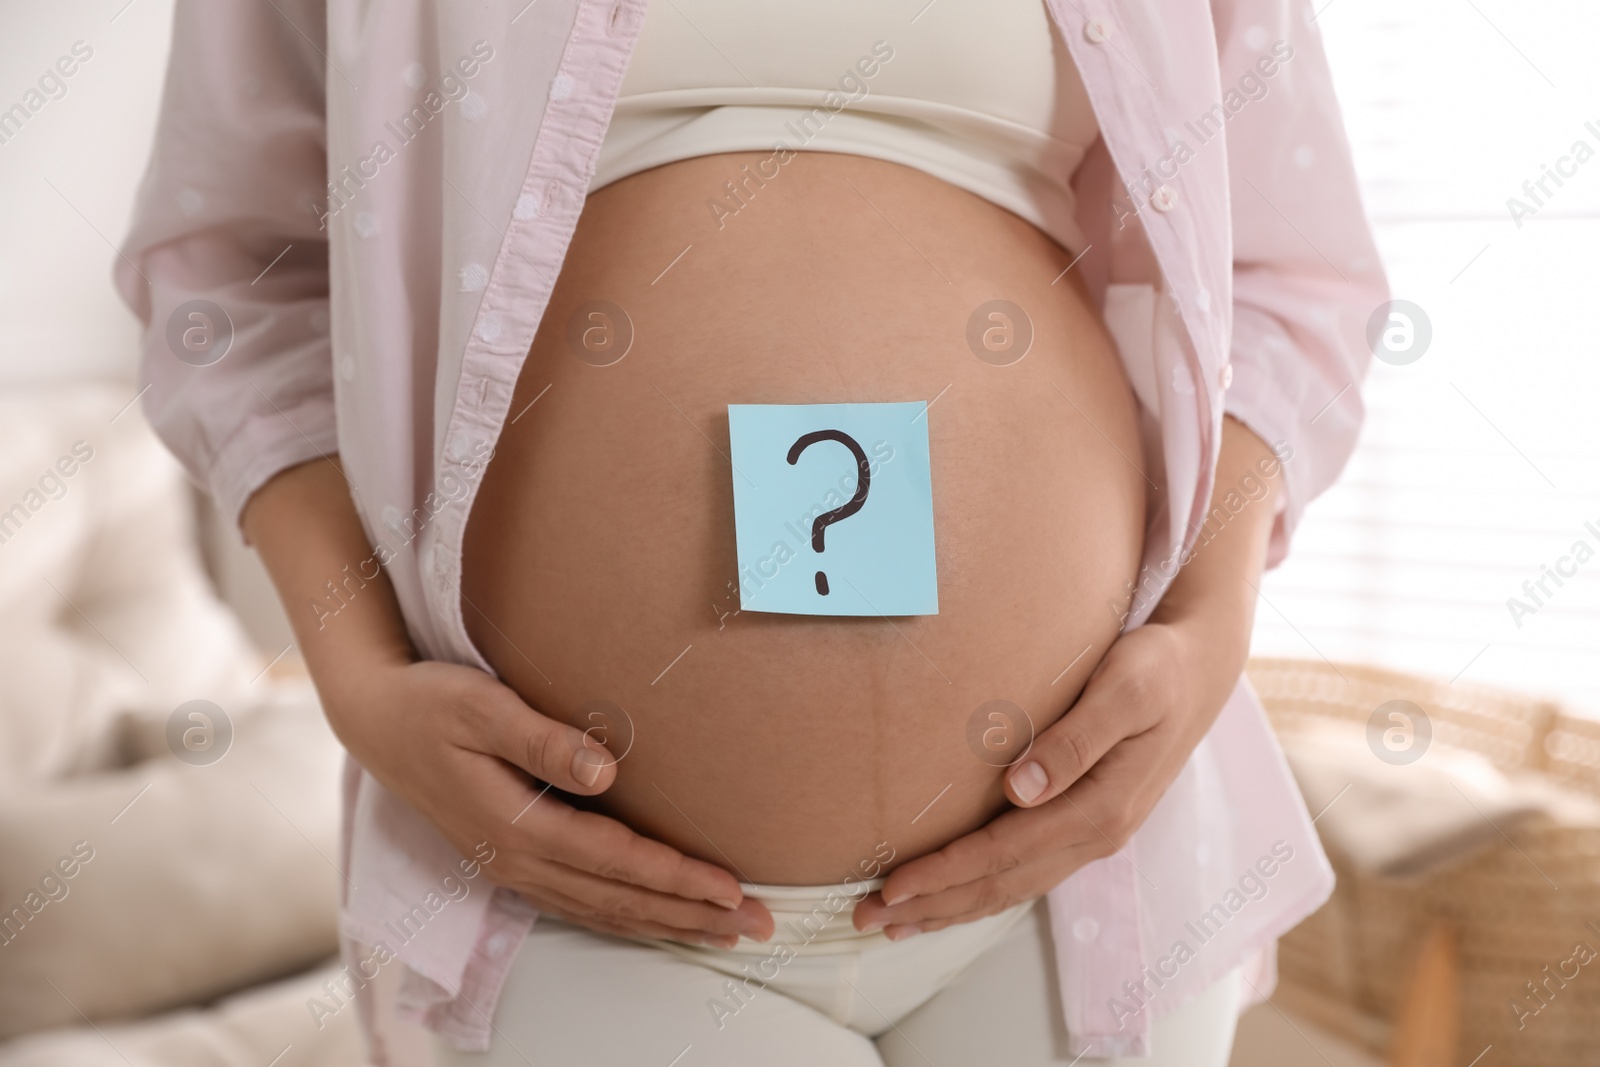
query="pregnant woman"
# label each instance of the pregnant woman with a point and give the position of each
(447, 304)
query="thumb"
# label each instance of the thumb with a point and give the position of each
(570, 759)
(1067, 750)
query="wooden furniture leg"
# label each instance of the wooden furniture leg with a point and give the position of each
(1427, 1031)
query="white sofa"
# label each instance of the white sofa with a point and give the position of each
(156, 911)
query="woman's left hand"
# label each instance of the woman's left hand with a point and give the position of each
(1085, 787)
(1092, 778)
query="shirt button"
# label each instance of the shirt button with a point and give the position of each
(497, 944)
(391, 517)
(1085, 929)
(1165, 198)
(1098, 29)
(1225, 375)
(1182, 381)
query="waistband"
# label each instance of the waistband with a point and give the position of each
(811, 918)
(856, 888)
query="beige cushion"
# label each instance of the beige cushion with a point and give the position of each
(1408, 820)
(249, 1030)
(210, 878)
(106, 616)
(190, 881)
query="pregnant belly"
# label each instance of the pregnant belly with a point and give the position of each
(600, 563)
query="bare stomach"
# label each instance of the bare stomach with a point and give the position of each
(600, 563)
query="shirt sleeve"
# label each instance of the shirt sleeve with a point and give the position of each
(1307, 276)
(226, 263)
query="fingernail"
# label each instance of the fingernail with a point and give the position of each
(900, 933)
(901, 899)
(1029, 781)
(724, 902)
(874, 926)
(724, 942)
(586, 764)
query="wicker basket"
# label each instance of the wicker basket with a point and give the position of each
(1515, 909)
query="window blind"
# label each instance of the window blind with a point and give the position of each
(1478, 475)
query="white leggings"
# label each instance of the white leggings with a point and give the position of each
(976, 994)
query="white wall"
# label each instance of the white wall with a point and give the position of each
(60, 318)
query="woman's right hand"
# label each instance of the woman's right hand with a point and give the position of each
(465, 750)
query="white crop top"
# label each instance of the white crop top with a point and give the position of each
(982, 94)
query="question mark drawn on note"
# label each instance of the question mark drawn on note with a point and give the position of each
(851, 506)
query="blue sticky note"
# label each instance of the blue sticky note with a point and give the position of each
(833, 509)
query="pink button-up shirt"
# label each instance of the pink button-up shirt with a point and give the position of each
(374, 201)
